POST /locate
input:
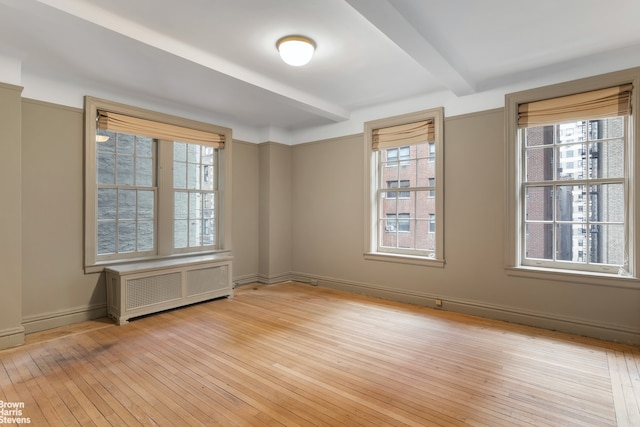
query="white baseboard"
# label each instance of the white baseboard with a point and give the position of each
(57, 319)
(11, 337)
(576, 326)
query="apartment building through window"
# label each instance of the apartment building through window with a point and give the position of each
(404, 153)
(572, 199)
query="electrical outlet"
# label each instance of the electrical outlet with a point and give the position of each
(438, 302)
(313, 282)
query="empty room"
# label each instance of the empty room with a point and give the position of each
(320, 213)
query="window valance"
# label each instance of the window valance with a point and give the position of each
(115, 122)
(402, 135)
(609, 102)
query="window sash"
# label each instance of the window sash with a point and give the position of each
(558, 236)
(400, 232)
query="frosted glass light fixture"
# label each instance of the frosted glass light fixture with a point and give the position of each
(296, 50)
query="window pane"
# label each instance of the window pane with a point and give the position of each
(179, 152)
(391, 194)
(606, 203)
(539, 203)
(127, 204)
(606, 244)
(404, 224)
(387, 233)
(424, 204)
(208, 155)
(107, 203)
(570, 239)
(538, 135)
(125, 143)
(539, 241)
(425, 234)
(144, 171)
(180, 230)
(144, 146)
(209, 232)
(193, 153)
(571, 164)
(612, 127)
(570, 203)
(179, 175)
(124, 170)
(193, 176)
(195, 205)
(108, 146)
(539, 164)
(571, 132)
(195, 232)
(106, 168)
(126, 236)
(606, 159)
(181, 205)
(106, 237)
(425, 169)
(145, 235)
(209, 209)
(390, 155)
(208, 177)
(146, 204)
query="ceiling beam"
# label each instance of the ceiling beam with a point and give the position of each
(118, 24)
(397, 28)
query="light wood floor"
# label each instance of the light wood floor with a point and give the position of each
(292, 354)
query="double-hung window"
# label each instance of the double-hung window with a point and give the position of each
(155, 185)
(572, 165)
(405, 153)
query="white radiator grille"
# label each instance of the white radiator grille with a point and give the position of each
(207, 280)
(152, 290)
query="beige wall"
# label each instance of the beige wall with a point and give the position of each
(54, 287)
(275, 212)
(297, 213)
(11, 329)
(328, 228)
(246, 198)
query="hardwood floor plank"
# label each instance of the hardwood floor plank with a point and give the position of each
(295, 355)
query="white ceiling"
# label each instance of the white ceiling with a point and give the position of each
(216, 59)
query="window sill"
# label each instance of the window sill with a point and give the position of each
(160, 261)
(404, 259)
(572, 276)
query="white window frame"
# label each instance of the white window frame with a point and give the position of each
(164, 211)
(398, 193)
(371, 238)
(515, 200)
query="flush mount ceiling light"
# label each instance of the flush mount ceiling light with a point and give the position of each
(296, 50)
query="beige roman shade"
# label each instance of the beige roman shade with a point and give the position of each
(115, 122)
(610, 102)
(401, 135)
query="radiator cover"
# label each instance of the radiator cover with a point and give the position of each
(138, 289)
